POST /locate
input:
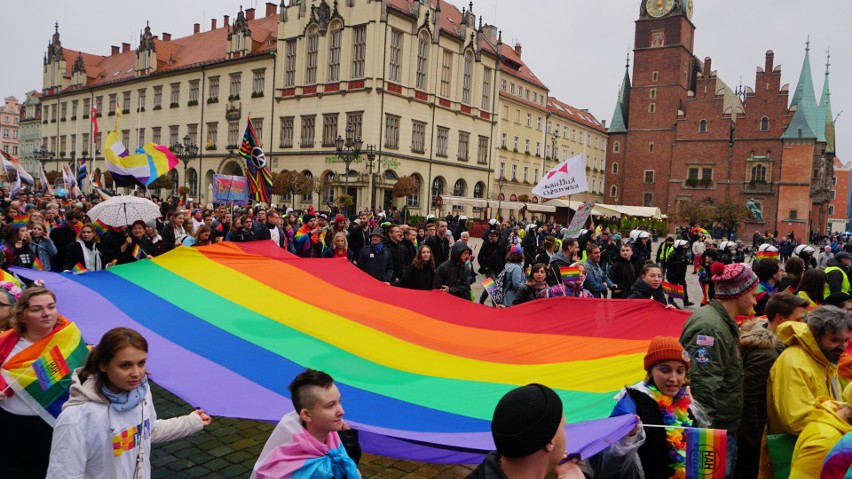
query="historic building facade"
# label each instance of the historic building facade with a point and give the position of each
(10, 123)
(30, 136)
(838, 207)
(679, 132)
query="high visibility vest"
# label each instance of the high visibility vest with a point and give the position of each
(844, 286)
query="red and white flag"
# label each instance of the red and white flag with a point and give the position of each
(566, 178)
(94, 126)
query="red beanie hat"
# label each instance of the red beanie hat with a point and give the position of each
(664, 348)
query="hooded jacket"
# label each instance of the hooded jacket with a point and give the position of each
(641, 290)
(453, 273)
(759, 348)
(91, 439)
(824, 430)
(799, 376)
(623, 273)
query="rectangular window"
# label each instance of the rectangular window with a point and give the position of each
(395, 55)
(158, 97)
(649, 176)
(514, 172)
(692, 173)
(526, 173)
(418, 136)
(526, 146)
(258, 81)
(112, 101)
(464, 146)
(140, 138)
(467, 78)
(442, 141)
(707, 174)
(313, 54)
(236, 86)
(174, 133)
(334, 54)
(482, 152)
(359, 51)
(647, 199)
(515, 143)
(213, 87)
(354, 120)
(85, 143)
(308, 125)
(446, 73)
(125, 137)
(538, 148)
(125, 102)
(194, 87)
(652, 93)
(504, 140)
(64, 114)
(233, 134)
(831, 209)
(74, 105)
(99, 104)
(140, 99)
(290, 64)
(486, 90)
(156, 134)
(392, 131)
(212, 135)
(529, 120)
(287, 131)
(87, 107)
(175, 95)
(422, 61)
(329, 129)
(257, 123)
(535, 176)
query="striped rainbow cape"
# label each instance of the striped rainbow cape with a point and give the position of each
(230, 325)
(41, 374)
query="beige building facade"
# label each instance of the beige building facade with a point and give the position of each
(10, 120)
(572, 131)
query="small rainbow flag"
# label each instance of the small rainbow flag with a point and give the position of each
(100, 227)
(570, 274)
(674, 291)
(706, 453)
(136, 251)
(79, 268)
(38, 264)
(50, 368)
(528, 270)
(767, 255)
(489, 285)
(20, 221)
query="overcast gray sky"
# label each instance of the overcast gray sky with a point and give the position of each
(577, 47)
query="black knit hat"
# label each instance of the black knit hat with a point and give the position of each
(308, 217)
(525, 420)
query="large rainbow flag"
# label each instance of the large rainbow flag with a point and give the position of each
(229, 325)
(142, 168)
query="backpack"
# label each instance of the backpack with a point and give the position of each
(497, 295)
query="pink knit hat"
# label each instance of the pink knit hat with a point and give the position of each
(732, 280)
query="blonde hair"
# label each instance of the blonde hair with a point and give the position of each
(17, 322)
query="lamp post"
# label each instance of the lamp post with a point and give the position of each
(500, 182)
(348, 151)
(371, 163)
(42, 155)
(185, 152)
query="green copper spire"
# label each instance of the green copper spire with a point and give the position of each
(806, 105)
(825, 108)
(619, 117)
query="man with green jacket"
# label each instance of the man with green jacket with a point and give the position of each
(711, 336)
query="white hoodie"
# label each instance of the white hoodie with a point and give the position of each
(93, 440)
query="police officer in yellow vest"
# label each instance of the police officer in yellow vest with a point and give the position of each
(837, 279)
(663, 253)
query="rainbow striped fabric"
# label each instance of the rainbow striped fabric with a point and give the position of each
(674, 291)
(767, 255)
(79, 269)
(489, 285)
(706, 453)
(41, 374)
(838, 459)
(570, 274)
(420, 371)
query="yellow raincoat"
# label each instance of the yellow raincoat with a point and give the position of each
(823, 431)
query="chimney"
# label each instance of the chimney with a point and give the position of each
(249, 14)
(226, 21)
(212, 23)
(708, 63)
(167, 37)
(125, 47)
(518, 48)
(196, 28)
(490, 33)
(115, 50)
(770, 60)
(271, 9)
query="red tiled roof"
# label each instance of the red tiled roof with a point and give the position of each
(567, 111)
(199, 48)
(513, 65)
(450, 19)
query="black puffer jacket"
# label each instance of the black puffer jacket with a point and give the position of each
(454, 274)
(623, 273)
(641, 290)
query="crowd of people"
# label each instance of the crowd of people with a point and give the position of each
(763, 358)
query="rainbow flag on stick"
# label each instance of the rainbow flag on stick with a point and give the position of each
(136, 251)
(489, 285)
(767, 255)
(41, 374)
(570, 274)
(528, 270)
(38, 264)
(706, 453)
(674, 291)
(79, 268)
(20, 221)
(101, 228)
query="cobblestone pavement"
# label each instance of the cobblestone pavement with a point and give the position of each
(230, 447)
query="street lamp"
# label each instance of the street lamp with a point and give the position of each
(185, 152)
(500, 182)
(42, 155)
(371, 163)
(348, 151)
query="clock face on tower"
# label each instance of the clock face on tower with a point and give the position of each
(658, 8)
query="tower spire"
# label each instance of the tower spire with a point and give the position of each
(621, 113)
(804, 99)
(826, 115)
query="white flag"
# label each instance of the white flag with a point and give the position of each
(567, 178)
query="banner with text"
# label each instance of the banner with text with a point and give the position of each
(567, 178)
(230, 189)
(579, 219)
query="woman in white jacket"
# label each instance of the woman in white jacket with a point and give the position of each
(108, 424)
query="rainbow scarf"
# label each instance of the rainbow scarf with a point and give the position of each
(199, 309)
(41, 374)
(674, 291)
(303, 240)
(570, 274)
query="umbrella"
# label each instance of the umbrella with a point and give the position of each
(698, 230)
(124, 210)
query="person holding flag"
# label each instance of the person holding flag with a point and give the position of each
(37, 355)
(259, 176)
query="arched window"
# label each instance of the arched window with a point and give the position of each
(764, 124)
(328, 192)
(414, 200)
(437, 188)
(467, 78)
(479, 190)
(192, 182)
(615, 168)
(616, 147)
(613, 191)
(307, 198)
(514, 197)
(758, 173)
(334, 44)
(460, 188)
(423, 42)
(702, 126)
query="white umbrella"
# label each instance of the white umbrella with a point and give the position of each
(124, 210)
